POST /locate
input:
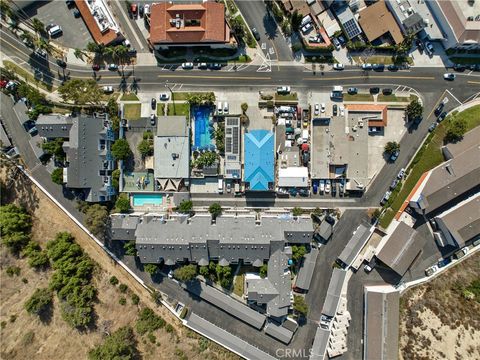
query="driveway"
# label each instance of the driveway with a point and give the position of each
(272, 42)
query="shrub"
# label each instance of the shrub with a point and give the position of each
(129, 248)
(148, 321)
(113, 280)
(185, 206)
(122, 204)
(119, 345)
(215, 210)
(263, 271)
(15, 225)
(123, 288)
(57, 176)
(299, 305)
(135, 299)
(185, 273)
(122, 301)
(151, 268)
(13, 270)
(121, 149)
(39, 302)
(296, 211)
(169, 328)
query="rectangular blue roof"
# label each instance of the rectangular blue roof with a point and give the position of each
(259, 159)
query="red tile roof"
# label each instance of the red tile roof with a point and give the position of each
(209, 16)
(107, 37)
(371, 108)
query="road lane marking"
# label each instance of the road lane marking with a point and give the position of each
(369, 77)
(217, 77)
(473, 82)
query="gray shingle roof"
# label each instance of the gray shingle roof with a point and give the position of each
(334, 291)
(355, 244)
(226, 303)
(305, 274)
(54, 126)
(320, 343)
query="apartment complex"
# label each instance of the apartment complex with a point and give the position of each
(188, 25)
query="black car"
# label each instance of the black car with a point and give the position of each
(352, 91)
(374, 90)
(154, 103)
(70, 3)
(439, 109)
(256, 34)
(459, 67)
(215, 66)
(141, 10)
(28, 125)
(378, 67)
(335, 109)
(442, 116)
(76, 13)
(61, 63)
(329, 219)
(303, 192)
(420, 45)
(392, 67)
(387, 91)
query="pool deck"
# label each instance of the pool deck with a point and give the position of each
(130, 182)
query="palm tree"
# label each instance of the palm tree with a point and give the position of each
(27, 37)
(44, 44)
(121, 51)
(78, 53)
(38, 26)
(5, 10)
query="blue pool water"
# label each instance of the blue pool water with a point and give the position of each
(147, 199)
(203, 130)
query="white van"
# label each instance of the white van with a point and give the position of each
(220, 186)
(55, 31)
(225, 107)
(219, 108)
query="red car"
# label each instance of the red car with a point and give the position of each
(95, 67)
(134, 9)
(3, 83)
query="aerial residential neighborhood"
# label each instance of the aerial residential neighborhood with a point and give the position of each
(224, 179)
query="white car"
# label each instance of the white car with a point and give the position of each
(367, 268)
(55, 30)
(307, 28)
(401, 174)
(283, 90)
(164, 96)
(187, 66)
(449, 76)
(338, 66)
(323, 107)
(342, 111)
(108, 89)
(146, 9)
(429, 47)
(431, 270)
(327, 186)
(316, 109)
(367, 66)
(170, 274)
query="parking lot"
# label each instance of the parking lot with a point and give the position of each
(75, 32)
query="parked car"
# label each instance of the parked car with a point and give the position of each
(41, 53)
(202, 66)
(76, 13)
(420, 45)
(315, 186)
(392, 67)
(187, 66)
(54, 30)
(336, 43)
(256, 34)
(401, 174)
(215, 66)
(283, 90)
(335, 109)
(327, 186)
(394, 156)
(316, 109)
(459, 67)
(461, 253)
(61, 63)
(394, 184)
(444, 262)
(442, 117)
(95, 67)
(374, 90)
(378, 67)
(385, 198)
(368, 268)
(431, 270)
(449, 76)
(432, 127)
(322, 186)
(439, 108)
(322, 108)
(147, 9)
(314, 39)
(108, 89)
(170, 274)
(164, 96)
(152, 119)
(293, 192)
(367, 66)
(153, 103)
(352, 90)
(141, 10)
(329, 219)
(112, 67)
(334, 189)
(306, 28)
(303, 192)
(338, 66)
(387, 91)
(134, 10)
(429, 48)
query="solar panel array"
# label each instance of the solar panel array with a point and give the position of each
(352, 28)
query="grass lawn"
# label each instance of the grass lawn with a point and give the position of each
(238, 284)
(465, 60)
(179, 109)
(62, 110)
(392, 98)
(379, 59)
(181, 96)
(427, 158)
(249, 39)
(357, 97)
(131, 111)
(129, 97)
(160, 109)
(29, 78)
(288, 97)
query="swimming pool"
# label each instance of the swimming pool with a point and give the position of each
(203, 130)
(147, 199)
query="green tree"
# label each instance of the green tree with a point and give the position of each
(456, 129)
(38, 26)
(39, 302)
(238, 27)
(185, 273)
(116, 179)
(263, 271)
(205, 159)
(96, 216)
(204, 271)
(286, 27)
(5, 10)
(298, 252)
(120, 345)
(296, 20)
(215, 210)
(151, 268)
(27, 37)
(54, 148)
(113, 280)
(78, 53)
(44, 44)
(81, 92)
(121, 149)
(145, 147)
(57, 176)
(244, 107)
(414, 109)
(300, 306)
(185, 207)
(391, 147)
(39, 260)
(15, 225)
(296, 211)
(122, 204)
(148, 321)
(129, 248)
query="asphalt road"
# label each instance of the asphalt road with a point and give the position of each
(256, 15)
